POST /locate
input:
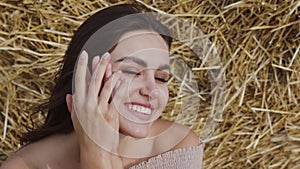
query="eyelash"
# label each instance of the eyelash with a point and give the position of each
(131, 72)
(162, 80)
(138, 73)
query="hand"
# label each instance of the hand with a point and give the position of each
(93, 112)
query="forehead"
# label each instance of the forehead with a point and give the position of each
(152, 38)
(142, 43)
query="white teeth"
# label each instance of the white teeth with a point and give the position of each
(140, 109)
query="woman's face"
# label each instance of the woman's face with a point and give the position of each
(143, 58)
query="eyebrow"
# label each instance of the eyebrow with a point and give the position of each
(141, 62)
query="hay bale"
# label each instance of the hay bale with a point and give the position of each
(258, 44)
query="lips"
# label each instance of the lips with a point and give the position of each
(140, 110)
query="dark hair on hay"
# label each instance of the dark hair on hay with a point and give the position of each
(58, 118)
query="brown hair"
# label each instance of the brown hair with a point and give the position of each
(58, 118)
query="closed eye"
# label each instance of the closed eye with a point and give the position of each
(159, 78)
(131, 72)
(162, 80)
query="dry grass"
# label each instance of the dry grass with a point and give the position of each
(258, 44)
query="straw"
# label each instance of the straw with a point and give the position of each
(257, 43)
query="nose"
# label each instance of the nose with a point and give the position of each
(149, 87)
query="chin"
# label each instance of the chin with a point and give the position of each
(135, 130)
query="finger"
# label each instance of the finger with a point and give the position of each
(88, 73)
(108, 88)
(108, 72)
(115, 141)
(80, 75)
(95, 62)
(113, 116)
(119, 93)
(97, 77)
(87, 76)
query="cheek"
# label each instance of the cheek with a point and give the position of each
(164, 96)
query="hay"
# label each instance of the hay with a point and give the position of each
(258, 43)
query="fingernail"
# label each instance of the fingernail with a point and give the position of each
(105, 55)
(96, 59)
(83, 54)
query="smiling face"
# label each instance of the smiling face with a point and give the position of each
(143, 58)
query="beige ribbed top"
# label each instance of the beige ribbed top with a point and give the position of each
(183, 158)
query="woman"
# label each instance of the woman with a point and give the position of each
(105, 115)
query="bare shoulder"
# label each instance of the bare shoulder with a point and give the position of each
(16, 162)
(25, 157)
(172, 131)
(31, 156)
